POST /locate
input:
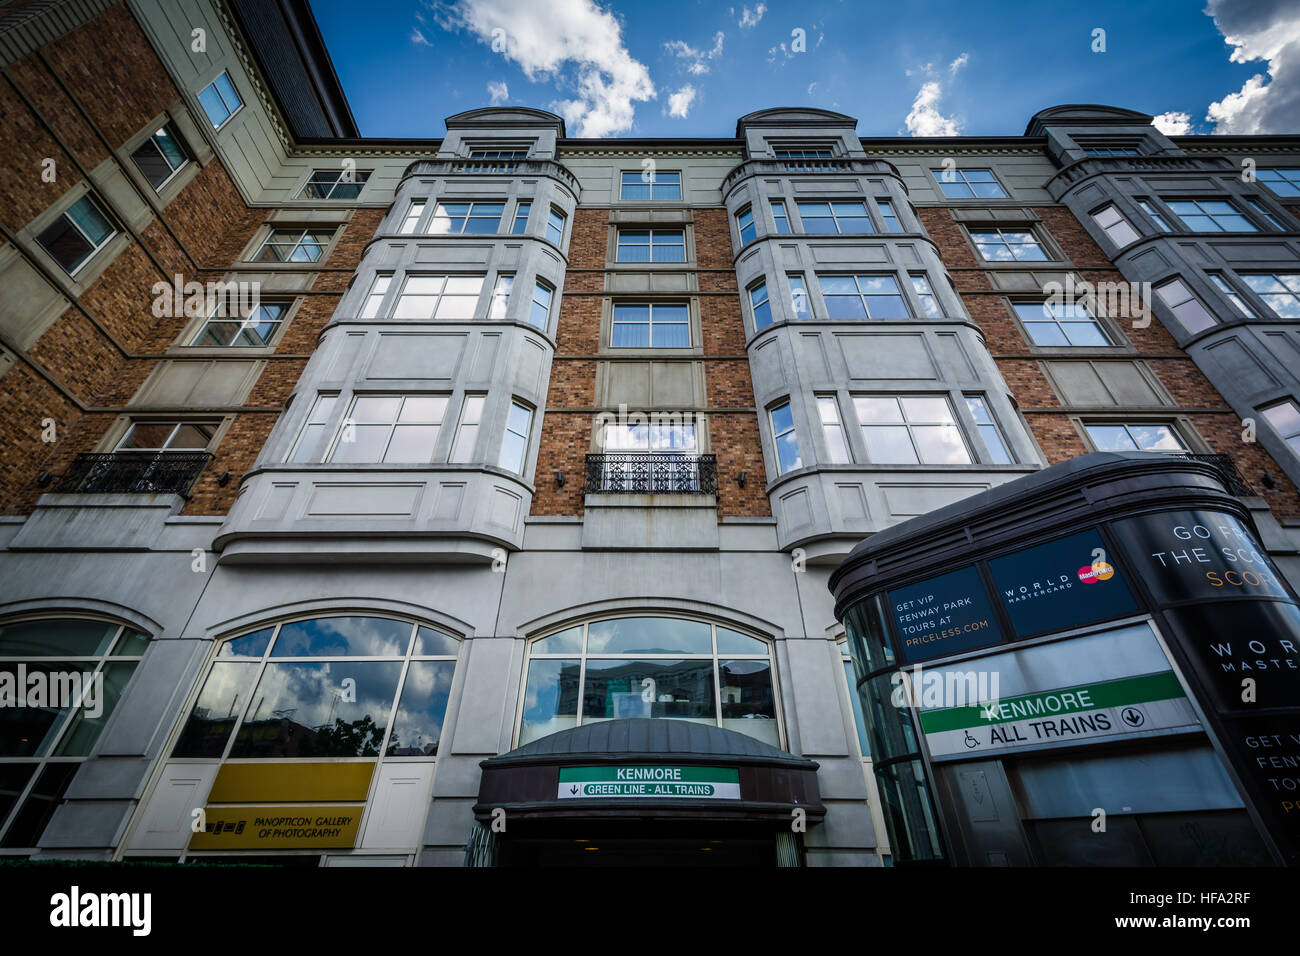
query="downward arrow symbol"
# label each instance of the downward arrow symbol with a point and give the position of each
(573, 790)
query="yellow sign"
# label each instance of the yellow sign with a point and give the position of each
(292, 782)
(278, 828)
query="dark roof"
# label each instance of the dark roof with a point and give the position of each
(632, 736)
(291, 53)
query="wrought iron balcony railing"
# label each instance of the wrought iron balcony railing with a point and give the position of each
(1233, 479)
(652, 473)
(134, 472)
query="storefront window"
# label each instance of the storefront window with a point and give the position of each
(70, 674)
(326, 687)
(650, 667)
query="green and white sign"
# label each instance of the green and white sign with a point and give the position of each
(1152, 702)
(715, 783)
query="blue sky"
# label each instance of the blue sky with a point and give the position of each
(904, 67)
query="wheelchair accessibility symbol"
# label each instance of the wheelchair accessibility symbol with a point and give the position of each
(970, 742)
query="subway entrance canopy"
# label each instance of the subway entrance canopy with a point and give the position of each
(645, 791)
(649, 769)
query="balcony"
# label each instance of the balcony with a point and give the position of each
(133, 472)
(652, 473)
(1233, 480)
(494, 167)
(856, 166)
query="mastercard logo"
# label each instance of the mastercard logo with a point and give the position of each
(1096, 572)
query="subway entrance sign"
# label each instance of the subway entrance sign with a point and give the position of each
(644, 782)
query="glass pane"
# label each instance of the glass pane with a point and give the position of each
(855, 700)
(927, 409)
(512, 452)
(56, 638)
(1046, 333)
(1285, 418)
(940, 445)
(319, 709)
(877, 410)
(748, 704)
(1084, 333)
(1155, 438)
(366, 444)
(29, 730)
(169, 147)
(565, 642)
(412, 444)
(13, 778)
(211, 102)
(343, 637)
(68, 247)
(191, 437)
(88, 721)
(40, 805)
(431, 643)
(375, 408)
(418, 725)
(550, 698)
(1111, 438)
(130, 644)
(782, 420)
(250, 645)
(629, 688)
(228, 92)
(224, 695)
(889, 444)
(649, 635)
(152, 164)
(733, 642)
(423, 409)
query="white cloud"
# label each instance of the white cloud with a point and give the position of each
(698, 65)
(418, 38)
(499, 92)
(812, 86)
(749, 18)
(1173, 123)
(546, 38)
(925, 119)
(679, 103)
(1260, 31)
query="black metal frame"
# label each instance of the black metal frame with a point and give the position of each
(1232, 477)
(134, 472)
(652, 473)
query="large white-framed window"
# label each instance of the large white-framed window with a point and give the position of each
(274, 693)
(294, 245)
(650, 325)
(394, 429)
(160, 157)
(1186, 307)
(668, 667)
(834, 216)
(1209, 215)
(471, 417)
(674, 442)
(1008, 245)
(651, 245)
(1117, 229)
(220, 101)
(1284, 418)
(863, 297)
(780, 218)
(514, 447)
(837, 447)
(650, 184)
(335, 184)
(968, 183)
(256, 330)
(77, 234)
(1134, 436)
(910, 430)
(44, 746)
(456, 218)
(439, 297)
(1061, 324)
(1279, 290)
(168, 435)
(520, 224)
(784, 438)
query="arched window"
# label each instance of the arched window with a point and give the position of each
(668, 667)
(347, 686)
(60, 680)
